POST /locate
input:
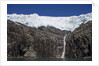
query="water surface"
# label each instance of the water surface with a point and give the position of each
(48, 59)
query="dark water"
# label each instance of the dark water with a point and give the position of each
(48, 59)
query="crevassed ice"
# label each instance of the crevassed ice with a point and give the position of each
(63, 23)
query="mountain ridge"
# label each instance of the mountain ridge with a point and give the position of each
(62, 23)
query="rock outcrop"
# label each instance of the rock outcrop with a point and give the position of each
(30, 53)
(24, 41)
(79, 42)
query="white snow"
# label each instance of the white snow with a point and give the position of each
(63, 23)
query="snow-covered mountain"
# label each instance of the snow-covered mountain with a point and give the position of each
(63, 23)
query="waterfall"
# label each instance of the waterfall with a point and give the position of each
(63, 54)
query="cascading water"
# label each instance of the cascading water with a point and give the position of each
(63, 54)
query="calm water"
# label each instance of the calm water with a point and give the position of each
(48, 59)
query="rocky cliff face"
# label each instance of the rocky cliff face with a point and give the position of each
(24, 41)
(79, 42)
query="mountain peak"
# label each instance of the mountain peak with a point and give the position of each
(34, 14)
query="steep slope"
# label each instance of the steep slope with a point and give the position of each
(25, 41)
(79, 42)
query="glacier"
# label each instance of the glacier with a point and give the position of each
(63, 23)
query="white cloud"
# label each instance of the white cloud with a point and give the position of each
(63, 23)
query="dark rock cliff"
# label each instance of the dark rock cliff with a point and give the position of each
(24, 41)
(79, 42)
